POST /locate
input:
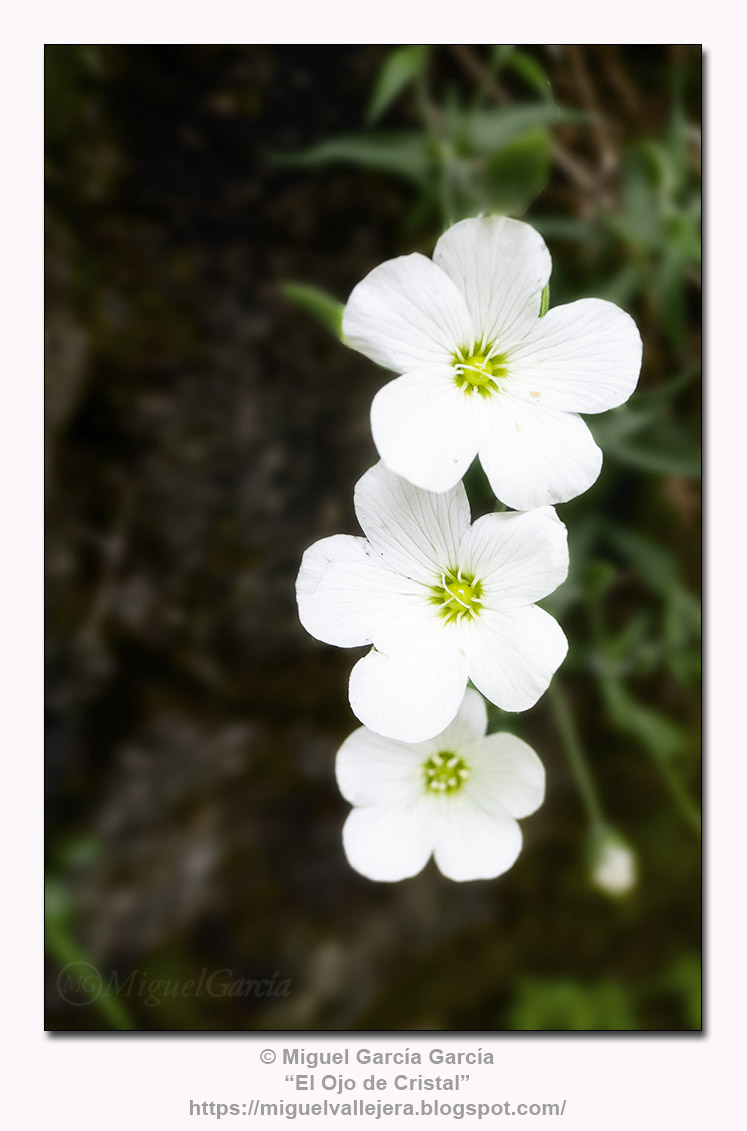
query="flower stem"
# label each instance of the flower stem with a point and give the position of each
(678, 794)
(433, 121)
(575, 754)
(684, 804)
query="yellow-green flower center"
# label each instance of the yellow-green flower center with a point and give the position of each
(445, 772)
(457, 596)
(478, 371)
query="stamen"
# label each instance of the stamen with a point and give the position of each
(445, 772)
(458, 595)
(481, 369)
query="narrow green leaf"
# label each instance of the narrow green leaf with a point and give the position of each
(61, 944)
(564, 228)
(657, 568)
(324, 308)
(661, 737)
(662, 462)
(406, 153)
(490, 130)
(611, 430)
(671, 289)
(529, 69)
(669, 389)
(517, 173)
(399, 69)
(623, 285)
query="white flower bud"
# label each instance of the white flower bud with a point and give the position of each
(613, 863)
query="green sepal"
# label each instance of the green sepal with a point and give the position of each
(545, 301)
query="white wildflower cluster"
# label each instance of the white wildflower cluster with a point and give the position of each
(441, 600)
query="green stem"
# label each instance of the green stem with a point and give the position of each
(431, 118)
(678, 794)
(575, 754)
(684, 804)
(490, 73)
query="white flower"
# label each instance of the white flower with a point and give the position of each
(440, 600)
(613, 863)
(456, 796)
(482, 372)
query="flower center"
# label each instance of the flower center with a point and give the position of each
(445, 772)
(457, 596)
(479, 370)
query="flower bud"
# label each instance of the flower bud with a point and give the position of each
(613, 865)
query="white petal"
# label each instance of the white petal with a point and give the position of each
(407, 313)
(534, 455)
(513, 654)
(414, 693)
(472, 842)
(346, 595)
(416, 532)
(584, 357)
(424, 428)
(389, 843)
(519, 557)
(501, 266)
(506, 776)
(372, 770)
(468, 727)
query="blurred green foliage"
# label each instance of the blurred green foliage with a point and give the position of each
(632, 615)
(552, 1004)
(465, 158)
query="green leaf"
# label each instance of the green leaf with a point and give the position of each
(657, 568)
(655, 731)
(517, 173)
(564, 228)
(682, 634)
(670, 388)
(639, 222)
(529, 69)
(660, 462)
(672, 452)
(61, 944)
(406, 153)
(619, 425)
(623, 285)
(544, 1004)
(671, 290)
(324, 308)
(487, 131)
(631, 649)
(400, 68)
